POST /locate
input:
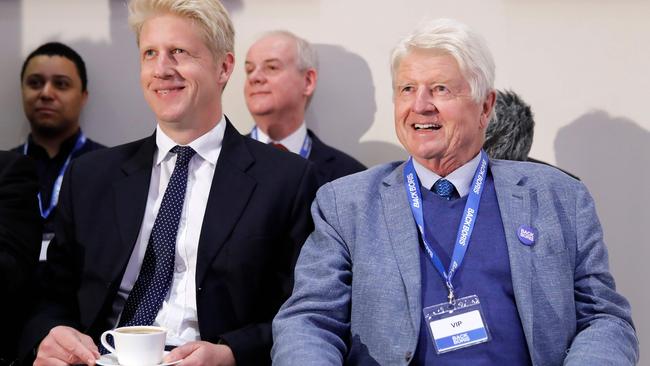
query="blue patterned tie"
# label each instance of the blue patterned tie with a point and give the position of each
(444, 189)
(155, 278)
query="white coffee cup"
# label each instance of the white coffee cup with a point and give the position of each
(137, 345)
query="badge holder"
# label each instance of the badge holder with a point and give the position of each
(457, 325)
(45, 243)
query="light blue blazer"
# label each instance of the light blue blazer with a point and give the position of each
(357, 296)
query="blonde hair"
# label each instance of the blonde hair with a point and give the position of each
(209, 15)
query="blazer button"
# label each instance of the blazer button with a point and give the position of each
(408, 356)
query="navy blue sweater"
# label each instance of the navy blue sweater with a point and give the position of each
(485, 272)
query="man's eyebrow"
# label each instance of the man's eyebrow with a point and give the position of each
(404, 82)
(55, 76)
(275, 59)
(34, 74)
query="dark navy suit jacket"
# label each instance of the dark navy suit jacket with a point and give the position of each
(331, 163)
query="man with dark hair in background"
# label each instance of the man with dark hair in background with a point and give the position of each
(509, 135)
(20, 236)
(54, 89)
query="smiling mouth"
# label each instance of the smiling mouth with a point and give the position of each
(170, 90)
(427, 126)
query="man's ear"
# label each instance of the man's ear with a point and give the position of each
(84, 98)
(227, 66)
(311, 77)
(487, 107)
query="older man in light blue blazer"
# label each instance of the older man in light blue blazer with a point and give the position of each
(451, 258)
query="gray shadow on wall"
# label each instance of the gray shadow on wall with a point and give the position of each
(12, 132)
(612, 156)
(343, 107)
(116, 111)
(233, 6)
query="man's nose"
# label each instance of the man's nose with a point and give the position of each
(424, 101)
(47, 92)
(256, 76)
(163, 66)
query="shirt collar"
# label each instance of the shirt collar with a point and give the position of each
(206, 146)
(293, 142)
(65, 147)
(461, 178)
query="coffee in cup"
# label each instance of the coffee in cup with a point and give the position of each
(137, 345)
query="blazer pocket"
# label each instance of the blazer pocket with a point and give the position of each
(553, 274)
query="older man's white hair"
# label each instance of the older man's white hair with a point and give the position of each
(456, 39)
(306, 55)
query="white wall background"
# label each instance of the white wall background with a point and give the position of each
(580, 64)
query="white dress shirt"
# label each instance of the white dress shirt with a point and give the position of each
(461, 178)
(178, 312)
(293, 142)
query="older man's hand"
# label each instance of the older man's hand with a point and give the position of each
(66, 346)
(202, 354)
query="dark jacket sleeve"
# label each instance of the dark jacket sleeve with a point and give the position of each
(20, 242)
(20, 222)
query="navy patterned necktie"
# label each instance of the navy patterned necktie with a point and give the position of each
(157, 271)
(444, 189)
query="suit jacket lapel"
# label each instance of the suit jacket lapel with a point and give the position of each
(131, 194)
(229, 194)
(404, 240)
(318, 154)
(514, 204)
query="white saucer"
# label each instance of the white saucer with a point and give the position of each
(111, 360)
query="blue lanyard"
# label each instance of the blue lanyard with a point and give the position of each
(465, 227)
(56, 188)
(305, 150)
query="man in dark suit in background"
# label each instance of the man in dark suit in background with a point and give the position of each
(281, 75)
(54, 87)
(195, 228)
(20, 238)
